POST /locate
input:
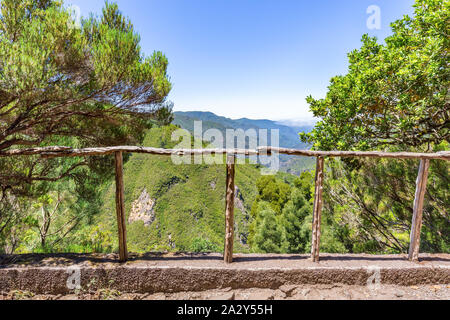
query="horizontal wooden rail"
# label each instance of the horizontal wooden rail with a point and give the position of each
(54, 152)
(443, 155)
(51, 152)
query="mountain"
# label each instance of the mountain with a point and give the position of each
(178, 207)
(288, 134)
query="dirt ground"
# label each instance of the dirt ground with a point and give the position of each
(310, 292)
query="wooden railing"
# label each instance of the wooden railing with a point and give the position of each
(52, 152)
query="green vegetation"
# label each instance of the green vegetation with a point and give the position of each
(282, 217)
(189, 201)
(69, 86)
(92, 86)
(394, 94)
(394, 98)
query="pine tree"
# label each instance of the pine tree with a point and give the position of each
(269, 236)
(296, 218)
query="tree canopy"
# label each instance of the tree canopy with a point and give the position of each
(394, 93)
(395, 97)
(91, 84)
(77, 86)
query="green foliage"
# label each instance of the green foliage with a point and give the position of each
(373, 205)
(87, 86)
(64, 85)
(296, 221)
(269, 233)
(273, 191)
(289, 230)
(393, 98)
(83, 79)
(189, 201)
(164, 115)
(393, 94)
(203, 245)
(78, 86)
(305, 183)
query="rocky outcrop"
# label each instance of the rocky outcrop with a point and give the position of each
(239, 203)
(239, 200)
(142, 209)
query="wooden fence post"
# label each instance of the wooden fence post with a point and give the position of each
(120, 207)
(416, 226)
(229, 209)
(317, 214)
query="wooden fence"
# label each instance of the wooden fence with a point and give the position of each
(51, 152)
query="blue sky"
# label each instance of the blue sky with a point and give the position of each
(252, 58)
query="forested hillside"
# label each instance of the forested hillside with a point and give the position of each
(179, 207)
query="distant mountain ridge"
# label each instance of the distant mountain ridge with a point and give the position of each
(288, 135)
